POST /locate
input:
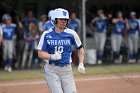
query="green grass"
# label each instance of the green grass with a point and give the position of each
(21, 75)
(120, 69)
(90, 70)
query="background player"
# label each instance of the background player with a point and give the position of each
(133, 28)
(99, 25)
(117, 35)
(55, 47)
(9, 30)
(41, 23)
(75, 25)
(30, 19)
(48, 24)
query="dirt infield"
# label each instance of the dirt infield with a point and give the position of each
(91, 84)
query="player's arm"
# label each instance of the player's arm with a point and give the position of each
(79, 28)
(114, 20)
(42, 50)
(81, 55)
(92, 25)
(44, 55)
(79, 46)
(0, 39)
(81, 67)
(127, 24)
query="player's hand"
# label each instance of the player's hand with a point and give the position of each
(56, 56)
(81, 68)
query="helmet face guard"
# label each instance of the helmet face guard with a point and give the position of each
(56, 23)
(59, 13)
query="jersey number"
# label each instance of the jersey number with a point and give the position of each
(59, 49)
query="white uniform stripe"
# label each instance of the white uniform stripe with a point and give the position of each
(40, 45)
(76, 37)
(41, 42)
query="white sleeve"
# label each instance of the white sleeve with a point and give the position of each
(77, 41)
(42, 45)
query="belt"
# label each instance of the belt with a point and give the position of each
(59, 64)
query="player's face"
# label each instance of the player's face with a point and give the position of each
(62, 22)
(43, 19)
(8, 21)
(101, 15)
(120, 15)
(133, 17)
(30, 14)
(73, 16)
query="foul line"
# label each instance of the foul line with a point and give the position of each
(77, 80)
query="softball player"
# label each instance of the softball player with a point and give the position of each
(41, 23)
(30, 19)
(133, 28)
(117, 35)
(55, 48)
(9, 30)
(48, 24)
(75, 23)
(100, 24)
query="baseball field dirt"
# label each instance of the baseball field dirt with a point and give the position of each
(125, 83)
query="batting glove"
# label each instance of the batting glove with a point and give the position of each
(81, 68)
(56, 56)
